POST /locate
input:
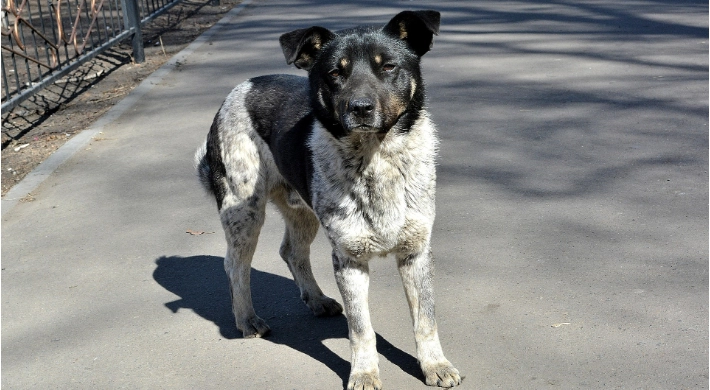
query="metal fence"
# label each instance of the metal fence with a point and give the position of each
(43, 40)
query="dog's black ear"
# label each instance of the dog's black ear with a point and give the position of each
(417, 28)
(301, 47)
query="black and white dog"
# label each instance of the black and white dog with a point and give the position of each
(350, 147)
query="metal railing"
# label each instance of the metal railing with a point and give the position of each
(43, 40)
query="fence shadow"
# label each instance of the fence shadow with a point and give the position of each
(202, 285)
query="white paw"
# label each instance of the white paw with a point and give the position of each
(364, 381)
(253, 327)
(442, 374)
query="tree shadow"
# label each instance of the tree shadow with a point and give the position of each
(203, 287)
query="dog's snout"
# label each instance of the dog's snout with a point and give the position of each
(361, 106)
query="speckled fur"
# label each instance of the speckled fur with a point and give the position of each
(383, 191)
(372, 191)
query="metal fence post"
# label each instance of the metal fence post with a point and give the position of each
(132, 20)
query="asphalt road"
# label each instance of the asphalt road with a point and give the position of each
(571, 239)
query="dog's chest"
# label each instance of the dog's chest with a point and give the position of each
(374, 199)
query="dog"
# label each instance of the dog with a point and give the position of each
(352, 148)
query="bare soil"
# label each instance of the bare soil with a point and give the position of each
(39, 126)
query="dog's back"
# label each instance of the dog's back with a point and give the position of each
(277, 109)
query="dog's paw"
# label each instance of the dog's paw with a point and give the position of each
(442, 374)
(364, 381)
(253, 327)
(324, 306)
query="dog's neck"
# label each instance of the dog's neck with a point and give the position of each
(356, 151)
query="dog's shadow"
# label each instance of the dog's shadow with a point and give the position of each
(202, 285)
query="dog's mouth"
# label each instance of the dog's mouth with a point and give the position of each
(373, 124)
(367, 129)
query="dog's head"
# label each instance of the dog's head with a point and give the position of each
(365, 79)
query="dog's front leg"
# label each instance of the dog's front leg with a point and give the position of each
(353, 278)
(416, 271)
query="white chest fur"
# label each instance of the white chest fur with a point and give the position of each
(375, 196)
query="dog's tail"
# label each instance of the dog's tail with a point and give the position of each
(210, 167)
(202, 166)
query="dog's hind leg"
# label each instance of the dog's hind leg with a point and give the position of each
(242, 223)
(242, 212)
(301, 229)
(416, 272)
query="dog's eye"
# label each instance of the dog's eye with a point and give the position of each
(388, 67)
(335, 73)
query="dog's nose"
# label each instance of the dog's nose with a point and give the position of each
(361, 106)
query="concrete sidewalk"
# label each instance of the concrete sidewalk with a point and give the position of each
(571, 238)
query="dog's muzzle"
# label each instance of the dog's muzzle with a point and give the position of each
(361, 114)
